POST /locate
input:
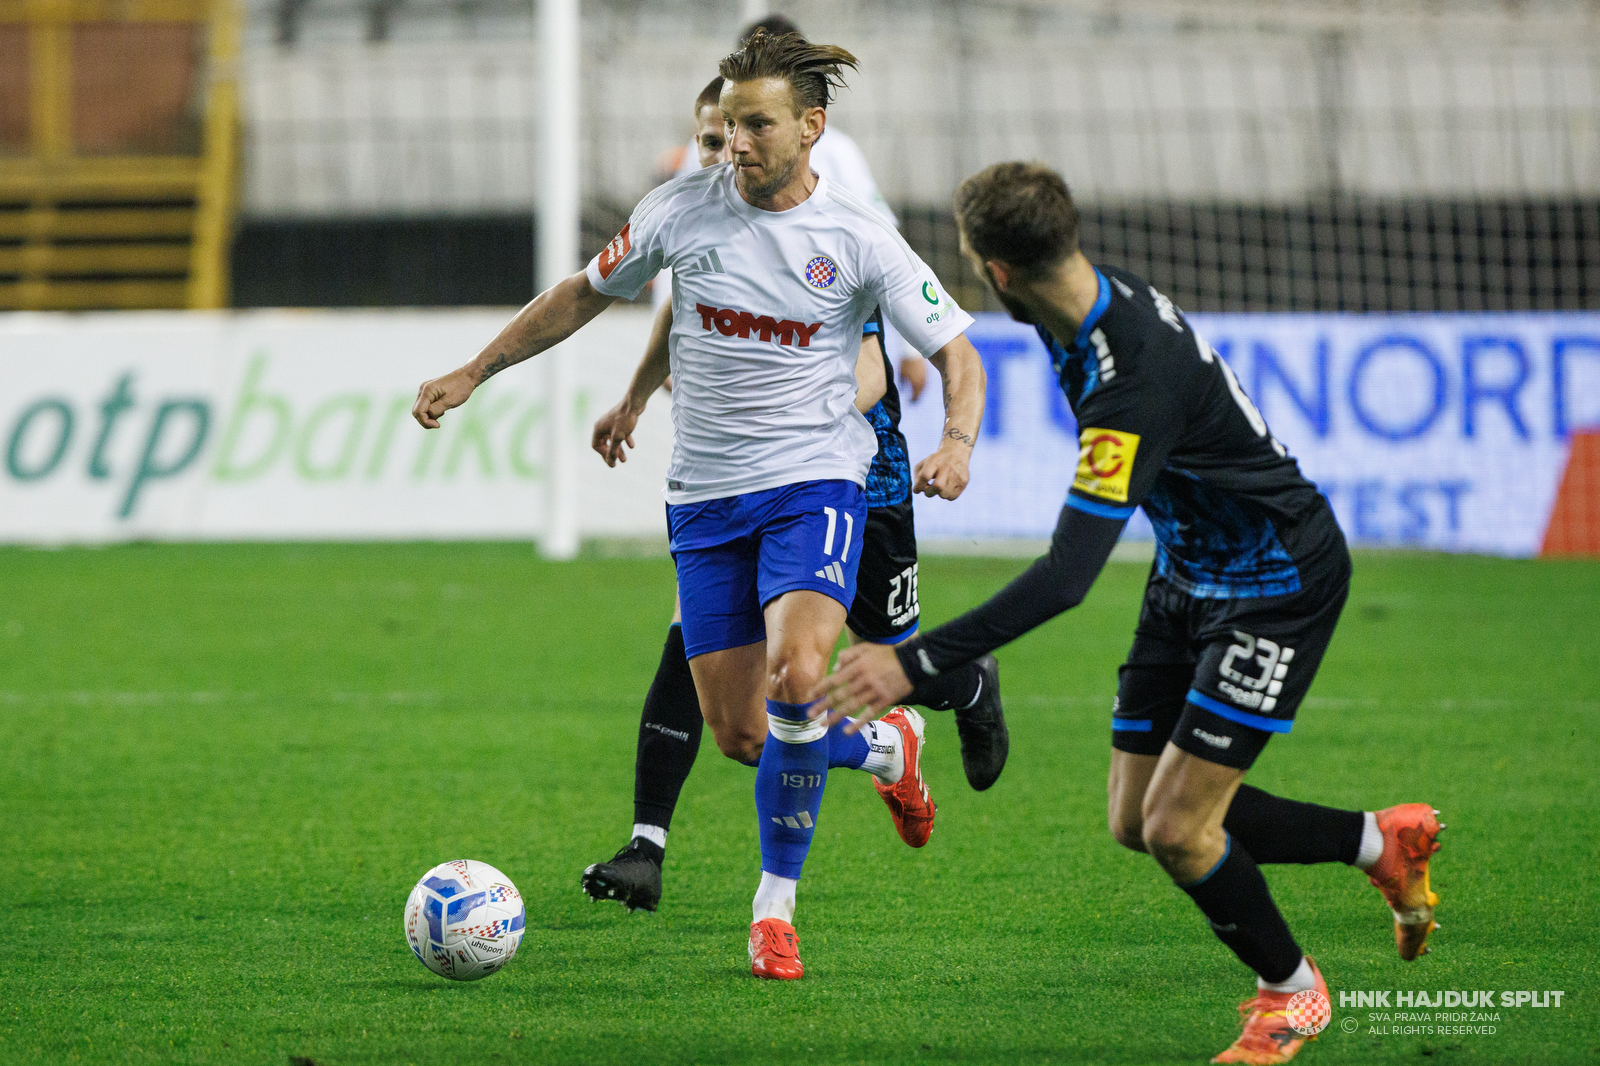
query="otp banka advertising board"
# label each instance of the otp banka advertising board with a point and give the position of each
(1437, 431)
(263, 425)
(1447, 432)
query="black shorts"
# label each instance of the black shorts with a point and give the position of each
(885, 610)
(1219, 677)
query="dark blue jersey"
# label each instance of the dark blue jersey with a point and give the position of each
(1163, 424)
(889, 476)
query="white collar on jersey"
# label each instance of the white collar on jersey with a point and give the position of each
(811, 205)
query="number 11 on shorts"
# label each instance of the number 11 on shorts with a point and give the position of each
(849, 532)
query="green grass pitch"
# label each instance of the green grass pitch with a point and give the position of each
(224, 767)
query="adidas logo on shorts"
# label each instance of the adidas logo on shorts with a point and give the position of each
(832, 572)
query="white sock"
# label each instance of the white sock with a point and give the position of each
(1298, 981)
(775, 898)
(886, 759)
(1371, 842)
(653, 833)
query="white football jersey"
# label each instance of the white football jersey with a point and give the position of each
(767, 310)
(834, 156)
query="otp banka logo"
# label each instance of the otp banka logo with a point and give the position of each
(166, 437)
(270, 433)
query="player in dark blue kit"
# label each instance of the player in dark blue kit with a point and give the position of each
(1250, 574)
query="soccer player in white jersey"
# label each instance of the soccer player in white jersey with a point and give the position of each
(886, 608)
(836, 157)
(764, 492)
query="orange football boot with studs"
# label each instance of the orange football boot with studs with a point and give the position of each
(908, 799)
(1269, 1036)
(1410, 837)
(775, 950)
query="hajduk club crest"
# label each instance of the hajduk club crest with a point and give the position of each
(821, 272)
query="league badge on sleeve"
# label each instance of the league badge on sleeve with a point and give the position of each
(615, 252)
(1105, 463)
(821, 272)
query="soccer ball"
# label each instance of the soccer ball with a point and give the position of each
(464, 920)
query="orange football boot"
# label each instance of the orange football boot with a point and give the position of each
(1268, 1036)
(908, 799)
(775, 950)
(1410, 833)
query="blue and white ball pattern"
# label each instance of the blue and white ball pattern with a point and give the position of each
(464, 920)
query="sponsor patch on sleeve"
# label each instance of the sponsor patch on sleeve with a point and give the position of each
(615, 252)
(1105, 463)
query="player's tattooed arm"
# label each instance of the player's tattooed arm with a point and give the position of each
(550, 318)
(954, 433)
(497, 364)
(944, 473)
(615, 428)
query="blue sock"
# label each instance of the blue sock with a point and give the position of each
(789, 780)
(846, 751)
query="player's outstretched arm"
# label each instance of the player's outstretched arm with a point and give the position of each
(550, 318)
(871, 678)
(615, 428)
(945, 472)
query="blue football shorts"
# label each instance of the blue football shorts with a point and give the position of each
(737, 554)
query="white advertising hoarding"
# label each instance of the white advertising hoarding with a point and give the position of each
(1447, 432)
(297, 425)
(1439, 431)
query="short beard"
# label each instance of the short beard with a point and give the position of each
(1013, 306)
(757, 195)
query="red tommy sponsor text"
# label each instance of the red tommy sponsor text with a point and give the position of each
(727, 321)
(615, 252)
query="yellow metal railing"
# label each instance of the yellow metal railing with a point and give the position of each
(96, 210)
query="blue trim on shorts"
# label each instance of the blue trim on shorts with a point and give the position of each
(891, 641)
(1233, 714)
(1099, 510)
(1132, 725)
(870, 327)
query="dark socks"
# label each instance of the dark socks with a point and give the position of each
(1272, 829)
(952, 689)
(669, 736)
(1235, 899)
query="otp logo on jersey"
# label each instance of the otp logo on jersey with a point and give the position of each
(727, 321)
(615, 252)
(1105, 463)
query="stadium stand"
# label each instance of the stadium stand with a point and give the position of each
(1248, 155)
(117, 153)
